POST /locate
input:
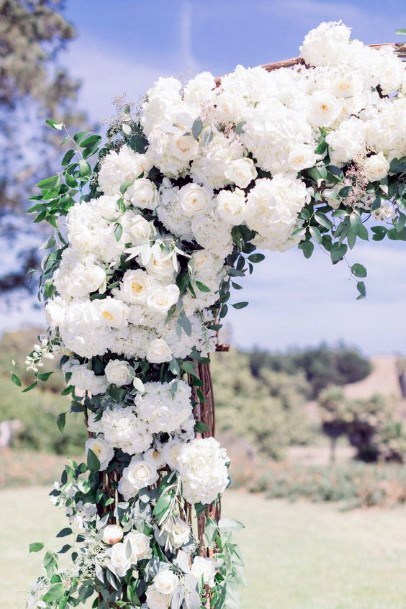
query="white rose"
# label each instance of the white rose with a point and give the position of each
(126, 489)
(159, 351)
(140, 548)
(171, 451)
(161, 299)
(204, 570)
(113, 312)
(376, 167)
(119, 372)
(136, 286)
(119, 559)
(231, 206)
(112, 534)
(179, 532)
(241, 172)
(103, 451)
(154, 456)
(143, 193)
(140, 473)
(301, 157)
(229, 107)
(162, 263)
(165, 582)
(183, 147)
(140, 230)
(193, 199)
(323, 109)
(155, 600)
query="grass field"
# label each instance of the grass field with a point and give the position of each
(298, 556)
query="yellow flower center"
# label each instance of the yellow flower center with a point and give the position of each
(107, 315)
(136, 287)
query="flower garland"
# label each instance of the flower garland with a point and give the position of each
(147, 245)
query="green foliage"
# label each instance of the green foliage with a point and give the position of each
(266, 410)
(322, 366)
(355, 484)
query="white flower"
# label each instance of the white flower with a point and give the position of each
(204, 569)
(170, 452)
(241, 172)
(162, 409)
(161, 299)
(120, 167)
(165, 582)
(375, 167)
(301, 157)
(143, 194)
(119, 559)
(140, 230)
(162, 263)
(78, 276)
(324, 109)
(112, 534)
(326, 44)
(231, 206)
(140, 548)
(155, 600)
(346, 142)
(113, 312)
(178, 531)
(126, 489)
(85, 380)
(123, 429)
(140, 473)
(103, 451)
(193, 199)
(119, 372)
(154, 456)
(158, 351)
(385, 212)
(55, 312)
(183, 147)
(136, 285)
(202, 465)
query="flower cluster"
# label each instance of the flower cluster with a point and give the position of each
(148, 244)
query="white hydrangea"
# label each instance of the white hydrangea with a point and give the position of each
(123, 429)
(202, 465)
(120, 167)
(84, 380)
(164, 406)
(78, 275)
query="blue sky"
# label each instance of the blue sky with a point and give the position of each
(124, 46)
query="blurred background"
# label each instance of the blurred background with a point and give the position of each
(311, 398)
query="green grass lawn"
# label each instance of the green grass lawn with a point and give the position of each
(298, 556)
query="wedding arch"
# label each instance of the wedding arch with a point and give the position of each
(154, 226)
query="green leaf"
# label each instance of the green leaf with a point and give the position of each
(189, 368)
(315, 233)
(54, 593)
(68, 157)
(307, 248)
(54, 124)
(338, 251)
(65, 532)
(44, 376)
(256, 258)
(48, 183)
(201, 427)
(240, 305)
(16, 379)
(27, 389)
(118, 231)
(323, 220)
(358, 270)
(361, 289)
(202, 287)
(93, 462)
(401, 32)
(61, 421)
(197, 127)
(85, 171)
(36, 546)
(91, 140)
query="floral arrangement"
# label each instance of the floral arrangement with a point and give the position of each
(149, 241)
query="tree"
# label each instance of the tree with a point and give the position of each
(33, 87)
(334, 423)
